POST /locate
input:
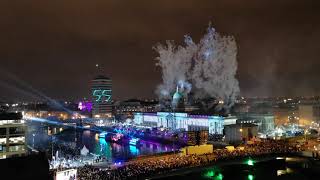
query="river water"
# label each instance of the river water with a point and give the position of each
(69, 142)
(282, 168)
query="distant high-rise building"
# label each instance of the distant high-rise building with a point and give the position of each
(101, 93)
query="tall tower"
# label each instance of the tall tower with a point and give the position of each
(101, 93)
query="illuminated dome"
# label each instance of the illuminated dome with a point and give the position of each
(177, 98)
(177, 95)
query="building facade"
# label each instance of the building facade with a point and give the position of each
(126, 109)
(101, 94)
(265, 122)
(240, 132)
(12, 135)
(181, 121)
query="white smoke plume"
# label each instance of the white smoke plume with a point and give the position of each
(207, 68)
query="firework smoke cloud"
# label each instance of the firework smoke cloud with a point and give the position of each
(207, 68)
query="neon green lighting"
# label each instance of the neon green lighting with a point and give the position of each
(250, 177)
(250, 162)
(107, 94)
(213, 173)
(209, 174)
(219, 177)
(102, 95)
(97, 93)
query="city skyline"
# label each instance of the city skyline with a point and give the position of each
(54, 47)
(183, 89)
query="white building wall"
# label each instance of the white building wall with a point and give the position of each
(183, 120)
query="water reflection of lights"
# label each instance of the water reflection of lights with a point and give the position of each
(86, 133)
(250, 177)
(250, 162)
(294, 159)
(116, 137)
(282, 172)
(134, 141)
(213, 173)
(99, 146)
(116, 147)
(134, 150)
(103, 135)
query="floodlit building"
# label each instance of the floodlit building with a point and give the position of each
(181, 121)
(235, 133)
(101, 93)
(12, 135)
(230, 120)
(126, 109)
(265, 122)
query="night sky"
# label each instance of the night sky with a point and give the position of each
(53, 45)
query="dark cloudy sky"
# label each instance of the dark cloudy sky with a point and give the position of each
(53, 45)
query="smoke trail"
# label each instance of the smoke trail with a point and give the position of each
(207, 69)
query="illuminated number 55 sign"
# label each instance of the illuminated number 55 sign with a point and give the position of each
(102, 95)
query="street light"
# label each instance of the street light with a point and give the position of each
(241, 133)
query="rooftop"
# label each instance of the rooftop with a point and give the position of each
(241, 125)
(10, 116)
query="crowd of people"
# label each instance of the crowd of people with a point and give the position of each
(156, 165)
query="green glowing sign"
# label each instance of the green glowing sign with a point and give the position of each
(102, 95)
